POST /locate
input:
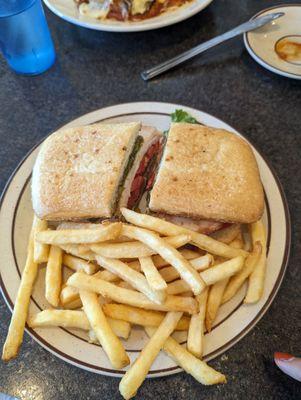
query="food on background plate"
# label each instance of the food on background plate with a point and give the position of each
(138, 270)
(127, 10)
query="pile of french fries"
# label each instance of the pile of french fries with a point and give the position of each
(139, 273)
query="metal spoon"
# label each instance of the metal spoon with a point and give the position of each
(187, 55)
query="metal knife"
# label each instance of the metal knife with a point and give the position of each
(187, 55)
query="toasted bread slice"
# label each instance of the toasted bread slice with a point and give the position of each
(208, 173)
(78, 171)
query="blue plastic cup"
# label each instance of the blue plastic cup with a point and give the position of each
(24, 36)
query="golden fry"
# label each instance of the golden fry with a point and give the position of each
(195, 339)
(75, 319)
(74, 250)
(214, 301)
(167, 228)
(192, 365)
(210, 276)
(53, 277)
(68, 295)
(201, 263)
(41, 251)
(186, 253)
(17, 324)
(169, 253)
(153, 277)
(134, 278)
(134, 249)
(131, 297)
(138, 316)
(104, 333)
(238, 280)
(77, 264)
(257, 277)
(134, 377)
(66, 236)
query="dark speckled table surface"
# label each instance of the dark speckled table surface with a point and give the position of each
(94, 70)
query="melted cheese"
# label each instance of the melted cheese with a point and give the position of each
(95, 9)
(140, 6)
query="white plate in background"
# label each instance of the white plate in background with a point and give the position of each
(67, 10)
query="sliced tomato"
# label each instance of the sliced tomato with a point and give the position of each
(139, 181)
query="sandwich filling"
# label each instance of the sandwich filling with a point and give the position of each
(202, 226)
(143, 166)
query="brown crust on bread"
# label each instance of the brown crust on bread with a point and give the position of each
(77, 171)
(213, 175)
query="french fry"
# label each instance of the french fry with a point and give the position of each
(83, 249)
(186, 253)
(169, 253)
(73, 249)
(68, 294)
(41, 251)
(192, 365)
(106, 276)
(222, 271)
(238, 280)
(210, 276)
(134, 249)
(75, 319)
(131, 297)
(238, 242)
(226, 235)
(53, 277)
(134, 278)
(120, 329)
(201, 263)
(167, 228)
(138, 316)
(158, 261)
(125, 285)
(104, 333)
(153, 277)
(17, 324)
(257, 277)
(77, 264)
(134, 377)
(189, 293)
(73, 305)
(214, 301)
(195, 339)
(66, 236)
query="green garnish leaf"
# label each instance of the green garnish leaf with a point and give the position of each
(183, 116)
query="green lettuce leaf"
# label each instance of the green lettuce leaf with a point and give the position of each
(183, 116)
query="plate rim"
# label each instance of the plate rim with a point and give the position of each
(235, 339)
(127, 28)
(261, 60)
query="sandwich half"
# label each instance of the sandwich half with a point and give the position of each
(206, 177)
(78, 171)
(90, 171)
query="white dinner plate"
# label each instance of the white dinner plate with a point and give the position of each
(262, 44)
(234, 319)
(68, 10)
